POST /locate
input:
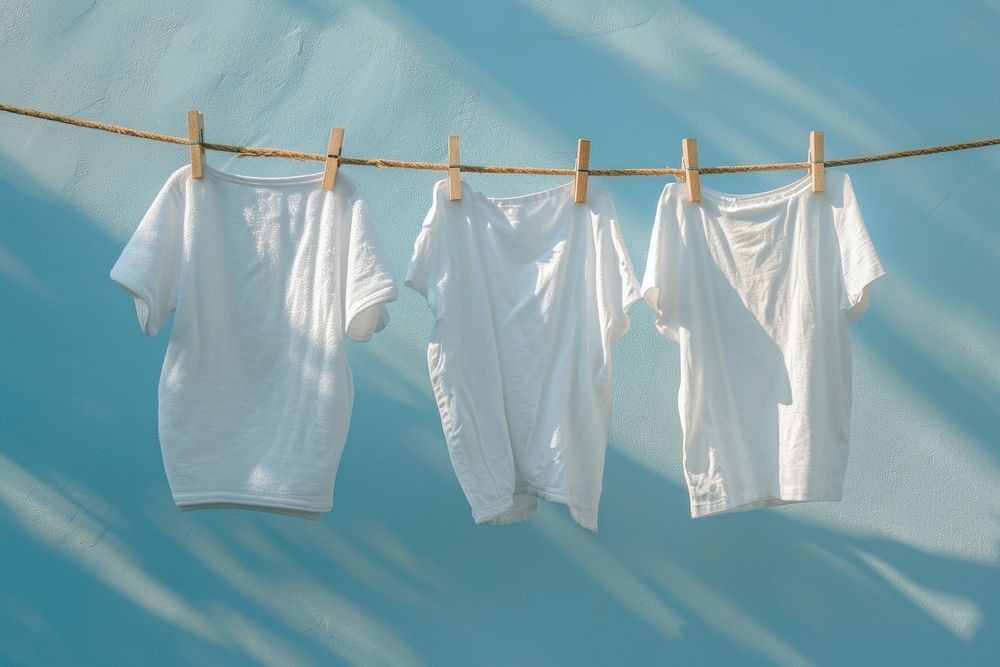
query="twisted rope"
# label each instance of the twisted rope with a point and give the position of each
(385, 163)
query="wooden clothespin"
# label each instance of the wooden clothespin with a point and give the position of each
(333, 158)
(689, 161)
(454, 171)
(196, 140)
(582, 171)
(816, 166)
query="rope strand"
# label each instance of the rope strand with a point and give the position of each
(385, 163)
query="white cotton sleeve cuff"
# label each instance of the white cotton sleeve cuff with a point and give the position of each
(369, 314)
(149, 324)
(858, 302)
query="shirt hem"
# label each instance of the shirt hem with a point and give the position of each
(759, 500)
(290, 504)
(495, 513)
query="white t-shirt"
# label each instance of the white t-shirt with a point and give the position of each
(758, 290)
(265, 276)
(528, 293)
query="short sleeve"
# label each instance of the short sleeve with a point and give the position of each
(667, 266)
(623, 289)
(860, 265)
(149, 267)
(429, 261)
(368, 284)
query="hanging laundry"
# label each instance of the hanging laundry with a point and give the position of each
(266, 276)
(528, 295)
(758, 291)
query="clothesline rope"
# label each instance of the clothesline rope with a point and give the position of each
(256, 151)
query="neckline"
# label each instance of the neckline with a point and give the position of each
(267, 181)
(520, 200)
(777, 195)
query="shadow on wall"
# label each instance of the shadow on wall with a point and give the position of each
(398, 570)
(99, 567)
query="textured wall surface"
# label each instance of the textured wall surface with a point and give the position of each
(98, 567)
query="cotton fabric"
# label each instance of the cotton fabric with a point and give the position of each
(758, 291)
(265, 277)
(528, 294)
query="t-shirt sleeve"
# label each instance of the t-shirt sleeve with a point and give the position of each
(369, 284)
(860, 265)
(623, 290)
(149, 267)
(428, 263)
(666, 269)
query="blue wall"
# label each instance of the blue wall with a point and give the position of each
(98, 567)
